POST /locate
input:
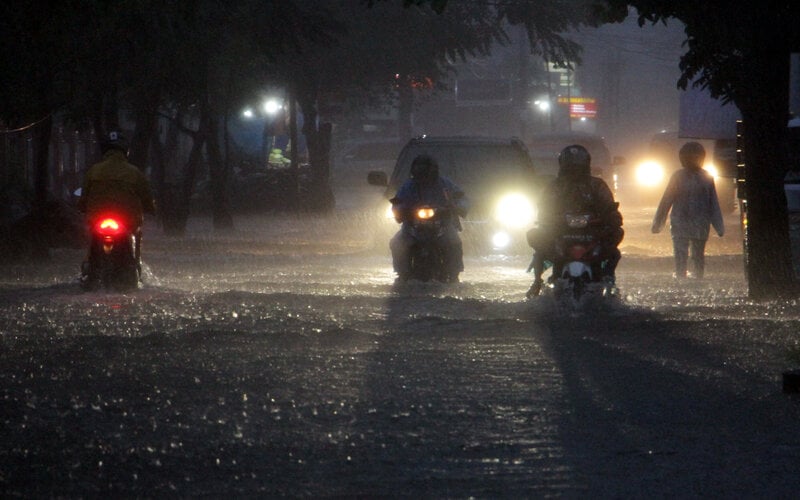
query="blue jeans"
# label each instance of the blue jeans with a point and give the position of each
(681, 247)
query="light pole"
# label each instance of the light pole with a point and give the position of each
(543, 106)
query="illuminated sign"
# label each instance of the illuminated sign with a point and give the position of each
(576, 100)
(580, 107)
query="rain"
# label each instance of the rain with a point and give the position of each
(282, 360)
(279, 357)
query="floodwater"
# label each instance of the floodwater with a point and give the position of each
(281, 360)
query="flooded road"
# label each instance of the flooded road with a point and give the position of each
(281, 360)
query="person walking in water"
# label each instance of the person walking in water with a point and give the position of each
(692, 199)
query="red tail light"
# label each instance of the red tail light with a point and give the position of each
(109, 226)
(576, 252)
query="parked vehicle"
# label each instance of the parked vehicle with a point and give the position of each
(791, 186)
(113, 261)
(496, 174)
(792, 189)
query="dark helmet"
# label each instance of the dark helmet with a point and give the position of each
(574, 161)
(692, 154)
(424, 169)
(114, 140)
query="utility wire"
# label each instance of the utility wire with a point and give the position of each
(26, 127)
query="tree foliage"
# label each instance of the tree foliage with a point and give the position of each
(723, 39)
(87, 61)
(741, 52)
(547, 22)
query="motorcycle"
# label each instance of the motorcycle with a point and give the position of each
(578, 276)
(427, 227)
(113, 259)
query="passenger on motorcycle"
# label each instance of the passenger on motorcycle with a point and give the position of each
(575, 191)
(115, 186)
(426, 187)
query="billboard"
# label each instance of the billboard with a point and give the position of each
(580, 107)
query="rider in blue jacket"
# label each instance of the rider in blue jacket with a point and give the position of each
(427, 187)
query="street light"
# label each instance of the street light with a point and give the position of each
(543, 105)
(269, 108)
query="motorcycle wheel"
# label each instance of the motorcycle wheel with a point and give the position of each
(117, 270)
(127, 279)
(126, 276)
(421, 269)
(423, 263)
(578, 287)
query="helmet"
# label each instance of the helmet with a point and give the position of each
(424, 169)
(114, 140)
(574, 161)
(692, 154)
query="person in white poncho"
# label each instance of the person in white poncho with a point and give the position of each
(692, 200)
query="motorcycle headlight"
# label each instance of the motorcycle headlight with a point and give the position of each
(425, 213)
(515, 210)
(649, 173)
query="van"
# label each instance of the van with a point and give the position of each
(496, 174)
(545, 148)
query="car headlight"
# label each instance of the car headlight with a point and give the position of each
(649, 173)
(501, 240)
(515, 210)
(711, 169)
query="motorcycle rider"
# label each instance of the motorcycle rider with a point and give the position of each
(114, 185)
(574, 190)
(426, 187)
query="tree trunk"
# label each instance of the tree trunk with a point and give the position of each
(293, 153)
(106, 115)
(190, 170)
(41, 181)
(146, 115)
(318, 141)
(171, 204)
(175, 199)
(218, 173)
(764, 110)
